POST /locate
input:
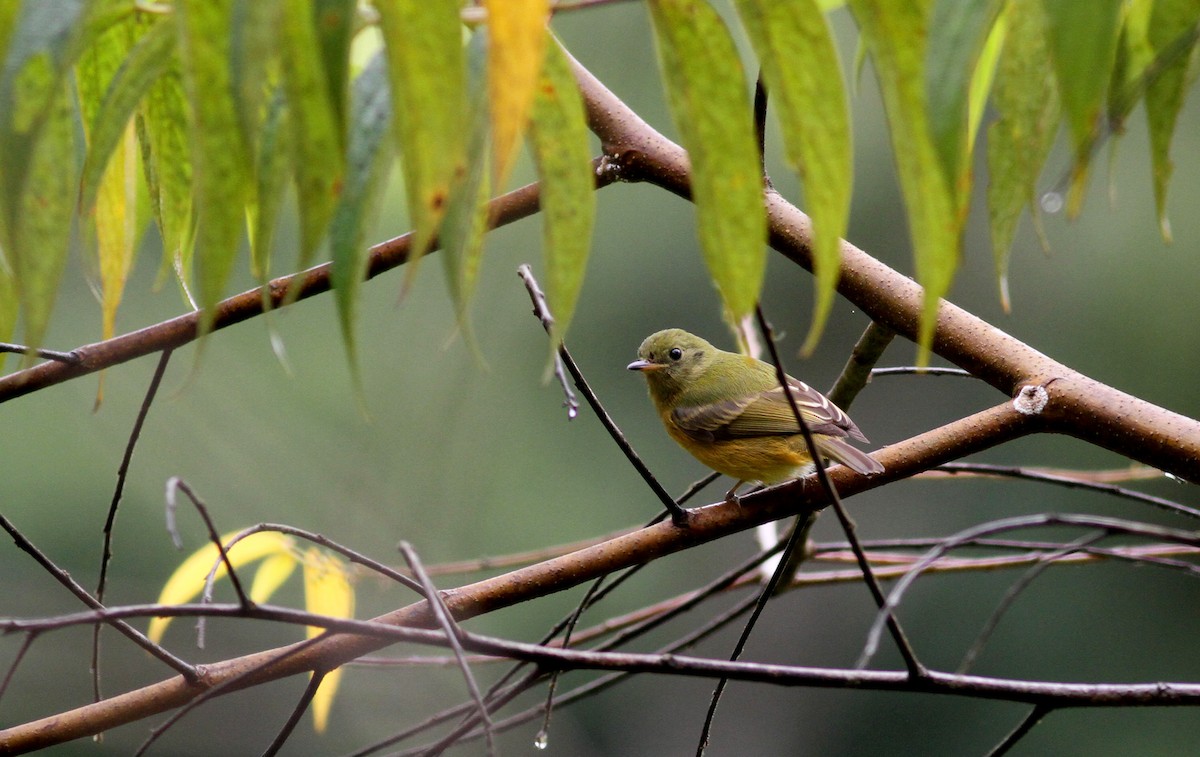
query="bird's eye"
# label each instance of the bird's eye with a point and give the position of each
(675, 353)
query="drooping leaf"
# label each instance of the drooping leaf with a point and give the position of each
(219, 156)
(317, 141)
(46, 207)
(427, 68)
(102, 71)
(516, 49)
(1173, 35)
(334, 21)
(327, 591)
(254, 44)
(896, 36)
(187, 582)
(706, 91)
(167, 162)
(559, 136)
(1083, 45)
(1019, 140)
(463, 231)
(273, 148)
(803, 75)
(958, 31)
(274, 571)
(368, 160)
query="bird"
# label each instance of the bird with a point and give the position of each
(729, 411)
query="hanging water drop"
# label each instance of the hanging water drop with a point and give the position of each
(1052, 202)
(542, 740)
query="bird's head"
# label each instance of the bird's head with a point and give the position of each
(672, 360)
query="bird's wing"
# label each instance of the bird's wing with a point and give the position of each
(767, 413)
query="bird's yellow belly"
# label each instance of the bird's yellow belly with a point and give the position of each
(767, 459)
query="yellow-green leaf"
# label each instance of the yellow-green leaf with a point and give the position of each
(369, 158)
(1019, 140)
(463, 231)
(327, 591)
(706, 91)
(1083, 45)
(116, 203)
(272, 148)
(219, 157)
(426, 64)
(803, 76)
(559, 137)
(1173, 35)
(896, 35)
(516, 49)
(167, 162)
(188, 580)
(42, 233)
(316, 132)
(958, 31)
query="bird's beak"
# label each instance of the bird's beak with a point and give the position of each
(644, 365)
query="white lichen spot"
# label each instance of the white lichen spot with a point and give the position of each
(1031, 400)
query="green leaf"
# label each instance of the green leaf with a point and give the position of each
(369, 158)
(1173, 35)
(1019, 140)
(254, 63)
(464, 229)
(427, 68)
(116, 222)
(958, 31)
(706, 91)
(334, 20)
(273, 149)
(219, 157)
(46, 207)
(1083, 46)
(803, 75)
(107, 121)
(316, 133)
(167, 162)
(559, 136)
(516, 50)
(896, 35)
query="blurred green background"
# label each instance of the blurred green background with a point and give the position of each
(466, 459)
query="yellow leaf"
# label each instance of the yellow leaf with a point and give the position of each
(274, 570)
(188, 579)
(516, 50)
(327, 591)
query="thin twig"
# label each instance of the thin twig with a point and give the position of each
(678, 514)
(860, 366)
(302, 705)
(137, 637)
(453, 634)
(70, 358)
(110, 520)
(1034, 717)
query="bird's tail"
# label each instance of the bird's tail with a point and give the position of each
(852, 458)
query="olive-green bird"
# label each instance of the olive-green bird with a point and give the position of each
(729, 411)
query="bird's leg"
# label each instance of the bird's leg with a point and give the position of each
(731, 495)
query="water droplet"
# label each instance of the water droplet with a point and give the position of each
(542, 740)
(1052, 202)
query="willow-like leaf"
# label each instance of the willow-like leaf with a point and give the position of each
(516, 49)
(896, 35)
(317, 143)
(42, 232)
(464, 230)
(1172, 34)
(1019, 140)
(559, 137)
(706, 91)
(427, 67)
(187, 581)
(803, 74)
(1083, 46)
(116, 209)
(327, 591)
(368, 160)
